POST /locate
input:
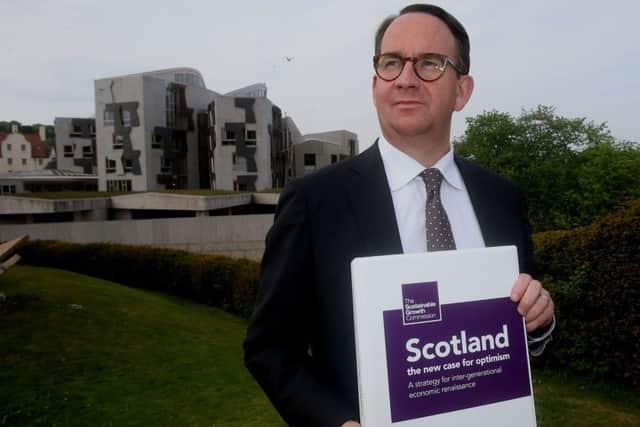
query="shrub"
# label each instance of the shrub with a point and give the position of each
(215, 280)
(594, 274)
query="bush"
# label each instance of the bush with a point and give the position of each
(215, 280)
(594, 274)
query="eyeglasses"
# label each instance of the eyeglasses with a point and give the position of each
(428, 67)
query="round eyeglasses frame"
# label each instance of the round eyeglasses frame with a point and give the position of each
(414, 60)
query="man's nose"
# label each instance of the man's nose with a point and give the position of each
(407, 77)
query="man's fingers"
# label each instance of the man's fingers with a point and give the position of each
(531, 295)
(544, 318)
(534, 302)
(539, 306)
(519, 287)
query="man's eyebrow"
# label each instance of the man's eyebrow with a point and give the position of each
(394, 52)
(402, 55)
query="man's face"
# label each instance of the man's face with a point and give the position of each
(408, 106)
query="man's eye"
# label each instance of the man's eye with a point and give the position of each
(429, 64)
(390, 63)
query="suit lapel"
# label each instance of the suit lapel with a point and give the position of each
(482, 198)
(370, 200)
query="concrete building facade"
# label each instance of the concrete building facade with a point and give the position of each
(166, 130)
(76, 145)
(317, 150)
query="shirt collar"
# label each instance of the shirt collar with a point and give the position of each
(402, 169)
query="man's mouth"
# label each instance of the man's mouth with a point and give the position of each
(408, 103)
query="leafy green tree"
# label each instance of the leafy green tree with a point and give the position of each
(5, 126)
(573, 170)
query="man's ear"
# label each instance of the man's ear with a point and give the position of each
(374, 81)
(465, 89)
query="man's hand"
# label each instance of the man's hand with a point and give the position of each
(351, 424)
(534, 302)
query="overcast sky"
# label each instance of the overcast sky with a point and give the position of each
(583, 57)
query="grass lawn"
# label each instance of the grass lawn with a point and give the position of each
(564, 401)
(78, 351)
(75, 350)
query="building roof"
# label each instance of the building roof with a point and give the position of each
(256, 90)
(167, 74)
(312, 139)
(38, 147)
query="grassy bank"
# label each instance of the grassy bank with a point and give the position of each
(78, 351)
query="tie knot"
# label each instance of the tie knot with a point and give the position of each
(432, 178)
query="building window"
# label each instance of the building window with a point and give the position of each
(8, 147)
(110, 165)
(334, 158)
(87, 152)
(76, 130)
(23, 147)
(109, 117)
(128, 165)
(118, 141)
(344, 157)
(310, 160)
(229, 136)
(68, 151)
(119, 185)
(156, 140)
(250, 137)
(9, 161)
(165, 165)
(92, 129)
(24, 162)
(40, 162)
(233, 158)
(170, 103)
(126, 118)
(8, 189)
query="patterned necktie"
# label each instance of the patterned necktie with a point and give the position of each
(439, 235)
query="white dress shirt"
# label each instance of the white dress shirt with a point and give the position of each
(409, 196)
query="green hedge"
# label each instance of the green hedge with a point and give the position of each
(215, 280)
(593, 273)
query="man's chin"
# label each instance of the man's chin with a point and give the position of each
(410, 130)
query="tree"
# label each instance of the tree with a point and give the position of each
(573, 170)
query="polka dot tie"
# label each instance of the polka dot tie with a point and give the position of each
(439, 235)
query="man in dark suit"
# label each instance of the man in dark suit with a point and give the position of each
(300, 340)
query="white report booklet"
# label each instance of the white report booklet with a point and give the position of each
(438, 341)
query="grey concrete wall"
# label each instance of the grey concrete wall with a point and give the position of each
(323, 151)
(198, 99)
(123, 89)
(22, 205)
(237, 236)
(153, 114)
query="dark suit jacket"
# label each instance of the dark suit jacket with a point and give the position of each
(300, 339)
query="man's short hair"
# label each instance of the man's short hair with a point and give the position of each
(456, 28)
